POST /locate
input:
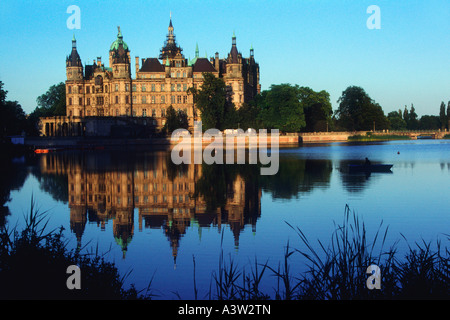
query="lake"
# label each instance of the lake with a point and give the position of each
(152, 218)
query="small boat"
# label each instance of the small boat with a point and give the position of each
(48, 150)
(370, 167)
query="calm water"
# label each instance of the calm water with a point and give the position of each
(152, 217)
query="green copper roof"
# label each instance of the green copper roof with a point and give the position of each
(115, 45)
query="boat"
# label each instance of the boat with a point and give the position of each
(370, 167)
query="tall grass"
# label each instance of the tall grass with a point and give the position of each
(34, 262)
(338, 271)
(33, 265)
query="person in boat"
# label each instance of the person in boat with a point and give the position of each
(367, 162)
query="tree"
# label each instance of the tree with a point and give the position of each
(413, 122)
(249, 115)
(53, 102)
(12, 117)
(448, 116)
(281, 108)
(428, 122)
(175, 120)
(213, 102)
(442, 116)
(396, 121)
(317, 108)
(358, 112)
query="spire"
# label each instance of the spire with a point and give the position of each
(233, 56)
(73, 60)
(196, 50)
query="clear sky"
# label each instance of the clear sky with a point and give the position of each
(322, 44)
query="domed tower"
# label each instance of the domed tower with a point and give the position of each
(74, 67)
(119, 57)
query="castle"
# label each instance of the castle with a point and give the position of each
(100, 99)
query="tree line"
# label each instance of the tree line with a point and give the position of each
(286, 107)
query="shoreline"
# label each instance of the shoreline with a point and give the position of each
(162, 143)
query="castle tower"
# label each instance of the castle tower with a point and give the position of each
(74, 67)
(234, 78)
(171, 53)
(119, 57)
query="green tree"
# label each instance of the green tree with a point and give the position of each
(413, 121)
(357, 111)
(428, 122)
(396, 121)
(53, 102)
(175, 120)
(282, 109)
(448, 116)
(213, 102)
(442, 116)
(317, 108)
(12, 117)
(249, 115)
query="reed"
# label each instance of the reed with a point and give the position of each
(33, 264)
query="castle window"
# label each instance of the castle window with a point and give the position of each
(80, 101)
(184, 87)
(144, 112)
(144, 99)
(143, 88)
(88, 89)
(184, 99)
(70, 101)
(127, 99)
(134, 88)
(153, 87)
(178, 87)
(100, 100)
(117, 112)
(106, 88)
(162, 87)
(153, 113)
(172, 87)
(163, 112)
(127, 87)
(178, 74)
(172, 99)
(184, 74)
(163, 99)
(69, 89)
(88, 101)
(117, 99)
(134, 99)
(117, 87)
(80, 89)
(178, 99)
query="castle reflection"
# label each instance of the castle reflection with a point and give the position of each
(104, 187)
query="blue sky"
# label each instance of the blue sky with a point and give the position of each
(324, 45)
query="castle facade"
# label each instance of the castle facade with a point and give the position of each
(99, 98)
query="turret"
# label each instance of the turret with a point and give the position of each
(119, 57)
(74, 67)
